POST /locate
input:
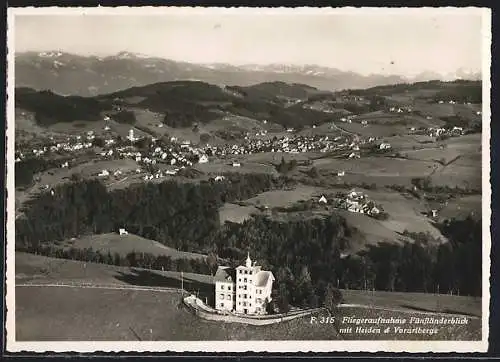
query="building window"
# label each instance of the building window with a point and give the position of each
(241, 271)
(222, 286)
(239, 279)
(228, 297)
(228, 287)
(244, 304)
(245, 280)
(222, 304)
(246, 271)
(250, 272)
(259, 300)
(239, 295)
(245, 287)
(239, 303)
(245, 296)
(222, 296)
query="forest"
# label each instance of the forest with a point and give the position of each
(309, 256)
(50, 108)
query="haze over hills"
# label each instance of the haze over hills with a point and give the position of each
(71, 74)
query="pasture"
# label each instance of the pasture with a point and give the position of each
(88, 169)
(460, 208)
(377, 167)
(405, 213)
(436, 110)
(373, 130)
(373, 231)
(124, 244)
(459, 175)
(434, 154)
(284, 198)
(236, 213)
(426, 302)
(224, 166)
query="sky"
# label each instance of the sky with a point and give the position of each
(403, 42)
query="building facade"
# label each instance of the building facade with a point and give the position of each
(246, 289)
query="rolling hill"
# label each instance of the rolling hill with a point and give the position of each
(181, 104)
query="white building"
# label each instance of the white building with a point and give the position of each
(122, 231)
(323, 200)
(203, 159)
(246, 289)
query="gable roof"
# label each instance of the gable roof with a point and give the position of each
(263, 277)
(225, 274)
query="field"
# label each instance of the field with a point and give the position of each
(382, 171)
(284, 198)
(416, 301)
(462, 207)
(437, 110)
(236, 213)
(124, 244)
(225, 166)
(458, 175)
(45, 313)
(373, 130)
(405, 213)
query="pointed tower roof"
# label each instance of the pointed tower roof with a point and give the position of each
(248, 261)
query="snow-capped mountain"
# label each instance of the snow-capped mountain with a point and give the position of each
(66, 73)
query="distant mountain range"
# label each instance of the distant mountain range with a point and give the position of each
(70, 74)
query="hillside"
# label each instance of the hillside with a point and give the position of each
(124, 244)
(180, 103)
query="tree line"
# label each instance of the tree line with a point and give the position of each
(133, 259)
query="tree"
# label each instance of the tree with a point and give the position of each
(282, 300)
(333, 297)
(212, 262)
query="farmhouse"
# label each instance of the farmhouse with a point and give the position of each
(246, 289)
(203, 159)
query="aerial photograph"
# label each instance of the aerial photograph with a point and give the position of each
(236, 176)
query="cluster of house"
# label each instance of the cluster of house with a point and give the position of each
(400, 109)
(439, 131)
(353, 201)
(245, 289)
(287, 144)
(70, 145)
